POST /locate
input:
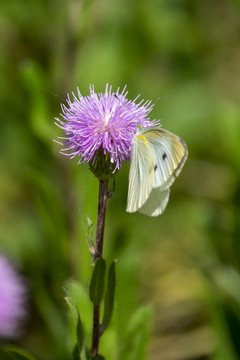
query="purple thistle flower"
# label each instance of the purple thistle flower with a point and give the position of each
(12, 300)
(105, 120)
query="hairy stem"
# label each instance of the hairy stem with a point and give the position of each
(102, 204)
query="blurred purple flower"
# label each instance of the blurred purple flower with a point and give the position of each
(12, 300)
(102, 120)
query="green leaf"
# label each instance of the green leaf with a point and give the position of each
(80, 335)
(73, 308)
(16, 353)
(96, 287)
(97, 357)
(138, 335)
(78, 323)
(78, 295)
(5, 356)
(109, 297)
(34, 80)
(76, 354)
(90, 236)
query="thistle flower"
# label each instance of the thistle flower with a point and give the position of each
(102, 123)
(12, 300)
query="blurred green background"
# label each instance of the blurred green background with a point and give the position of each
(181, 269)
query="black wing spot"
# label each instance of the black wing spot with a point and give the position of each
(155, 167)
(164, 156)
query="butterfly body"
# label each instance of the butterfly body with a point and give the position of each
(157, 158)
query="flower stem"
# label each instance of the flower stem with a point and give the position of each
(102, 204)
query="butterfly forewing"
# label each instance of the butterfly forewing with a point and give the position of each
(169, 152)
(141, 175)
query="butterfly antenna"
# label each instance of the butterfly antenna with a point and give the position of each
(54, 94)
(157, 101)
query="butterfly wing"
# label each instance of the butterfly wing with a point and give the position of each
(169, 153)
(157, 159)
(141, 174)
(156, 202)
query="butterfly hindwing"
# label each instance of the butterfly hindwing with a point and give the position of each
(141, 174)
(156, 203)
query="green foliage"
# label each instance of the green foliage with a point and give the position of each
(137, 336)
(76, 354)
(81, 311)
(72, 306)
(80, 335)
(90, 234)
(109, 296)
(78, 327)
(12, 352)
(185, 51)
(96, 287)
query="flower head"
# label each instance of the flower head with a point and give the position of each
(12, 300)
(104, 121)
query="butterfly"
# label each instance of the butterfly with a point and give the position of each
(157, 158)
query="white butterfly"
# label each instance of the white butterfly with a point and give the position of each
(157, 158)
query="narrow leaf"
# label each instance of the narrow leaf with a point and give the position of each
(73, 308)
(109, 297)
(80, 335)
(78, 323)
(90, 236)
(4, 355)
(76, 354)
(80, 297)
(16, 353)
(96, 287)
(138, 335)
